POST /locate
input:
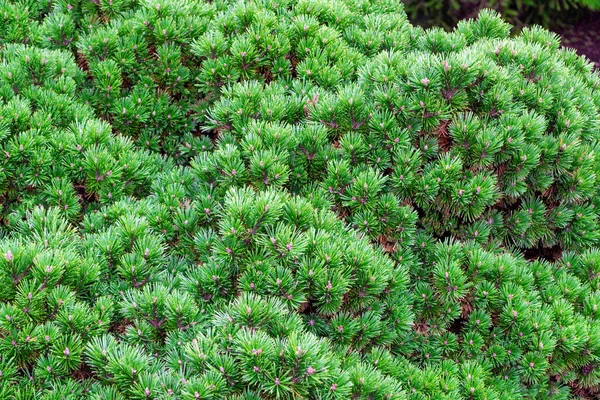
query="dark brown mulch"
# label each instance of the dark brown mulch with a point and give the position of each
(584, 36)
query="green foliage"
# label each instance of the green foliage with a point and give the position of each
(246, 200)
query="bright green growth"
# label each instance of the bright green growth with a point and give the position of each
(295, 200)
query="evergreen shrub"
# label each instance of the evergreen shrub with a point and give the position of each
(293, 200)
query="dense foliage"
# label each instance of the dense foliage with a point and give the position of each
(302, 199)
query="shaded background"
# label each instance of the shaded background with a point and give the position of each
(577, 21)
(584, 36)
